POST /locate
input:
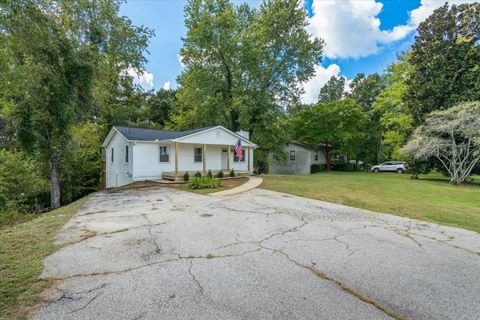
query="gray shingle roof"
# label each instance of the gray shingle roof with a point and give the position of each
(142, 134)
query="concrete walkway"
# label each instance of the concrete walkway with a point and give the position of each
(252, 183)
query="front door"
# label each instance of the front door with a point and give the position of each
(224, 159)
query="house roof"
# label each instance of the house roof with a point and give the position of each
(154, 135)
(142, 134)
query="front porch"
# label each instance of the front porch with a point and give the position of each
(193, 158)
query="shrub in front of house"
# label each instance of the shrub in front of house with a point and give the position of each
(232, 173)
(220, 174)
(186, 176)
(204, 183)
(342, 166)
(197, 174)
(318, 168)
(209, 174)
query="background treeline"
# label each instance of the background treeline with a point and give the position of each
(64, 83)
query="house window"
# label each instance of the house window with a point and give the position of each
(112, 155)
(235, 158)
(197, 155)
(164, 156)
(292, 155)
(126, 154)
(316, 155)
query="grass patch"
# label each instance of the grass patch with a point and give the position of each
(226, 184)
(23, 248)
(431, 198)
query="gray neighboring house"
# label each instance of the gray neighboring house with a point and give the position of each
(298, 160)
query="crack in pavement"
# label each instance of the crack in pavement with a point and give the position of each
(194, 278)
(322, 275)
(85, 305)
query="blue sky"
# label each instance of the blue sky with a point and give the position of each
(361, 35)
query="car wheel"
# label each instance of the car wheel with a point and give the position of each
(399, 170)
(376, 170)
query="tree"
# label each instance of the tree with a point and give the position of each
(333, 90)
(395, 117)
(336, 126)
(452, 137)
(159, 107)
(365, 91)
(57, 51)
(243, 66)
(445, 59)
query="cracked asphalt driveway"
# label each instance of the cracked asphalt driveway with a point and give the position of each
(162, 253)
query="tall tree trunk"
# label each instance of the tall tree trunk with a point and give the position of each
(326, 154)
(55, 184)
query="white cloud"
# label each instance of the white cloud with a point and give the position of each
(427, 7)
(322, 75)
(350, 28)
(166, 85)
(142, 78)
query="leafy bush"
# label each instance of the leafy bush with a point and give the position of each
(342, 166)
(204, 183)
(197, 174)
(186, 176)
(209, 174)
(20, 184)
(318, 168)
(220, 174)
(232, 173)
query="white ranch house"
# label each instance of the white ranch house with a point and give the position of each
(137, 154)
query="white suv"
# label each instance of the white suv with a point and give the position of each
(390, 166)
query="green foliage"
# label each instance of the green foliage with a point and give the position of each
(65, 61)
(445, 59)
(220, 174)
(317, 168)
(186, 176)
(197, 174)
(451, 138)
(81, 166)
(209, 174)
(20, 183)
(243, 64)
(232, 173)
(338, 126)
(395, 117)
(333, 90)
(365, 90)
(342, 166)
(204, 183)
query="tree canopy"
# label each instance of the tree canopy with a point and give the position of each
(243, 66)
(445, 59)
(452, 137)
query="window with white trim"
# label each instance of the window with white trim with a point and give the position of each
(316, 155)
(126, 154)
(197, 155)
(292, 155)
(164, 156)
(112, 156)
(235, 158)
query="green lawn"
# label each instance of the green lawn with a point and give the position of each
(430, 198)
(23, 247)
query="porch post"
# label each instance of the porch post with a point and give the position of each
(204, 159)
(176, 159)
(228, 159)
(248, 159)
